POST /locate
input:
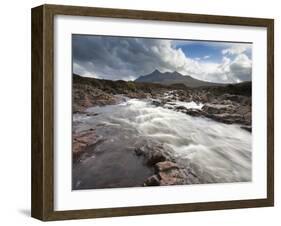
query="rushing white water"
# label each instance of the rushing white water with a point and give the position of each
(187, 105)
(215, 151)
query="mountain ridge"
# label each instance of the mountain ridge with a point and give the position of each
(169, 78)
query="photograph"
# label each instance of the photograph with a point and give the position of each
(158, 112)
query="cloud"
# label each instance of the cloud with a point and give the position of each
(235, 49)
(128, 58)
(237, 70)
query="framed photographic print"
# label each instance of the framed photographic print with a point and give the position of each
(141, 112)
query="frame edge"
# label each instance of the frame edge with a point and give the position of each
(270, 112)
(37, 188)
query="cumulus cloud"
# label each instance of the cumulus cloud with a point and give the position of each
(237, 70)
(128, 58)
(235, 49)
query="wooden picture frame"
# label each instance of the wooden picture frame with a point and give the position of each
(43, 112)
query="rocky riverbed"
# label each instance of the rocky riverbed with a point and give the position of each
(227, 108)
(126, 136)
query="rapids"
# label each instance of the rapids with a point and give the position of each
(216, 152)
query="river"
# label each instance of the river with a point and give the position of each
(216, 152)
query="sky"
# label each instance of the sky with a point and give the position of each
(127, 58)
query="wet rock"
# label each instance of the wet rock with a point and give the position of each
(152, 181)
(170, 173)
(194, 112)
(157, 103)
(206, 97)
(167, 170)
(217, 108)
(81, 141)
(86, 137)
(156, 156)
(232, 97)
(227, 118)
(153, 152)
(171, 177)
(180, 108)
(92, 114)
(166, 165)
(140, 151)
(248, 118)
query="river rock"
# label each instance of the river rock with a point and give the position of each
(194, 112)
(85, 96)
(156, 156)
(227, 118)
(154, 152)
(232, 97)
(217, 108)
(171, 177)
(92, 114)
(180, 108)
(152, 181)
(166, 165)
(81, 141)
(157, 103)
(140, 151)
(170, 173)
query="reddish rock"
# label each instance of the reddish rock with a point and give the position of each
(171, 177)
(85, 96)
(81, 141)
(166, 165)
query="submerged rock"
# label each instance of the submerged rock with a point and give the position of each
(81, 141)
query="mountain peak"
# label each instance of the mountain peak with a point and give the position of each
(156, 71)
(168, 78)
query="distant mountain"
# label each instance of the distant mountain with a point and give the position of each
(169, 78)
